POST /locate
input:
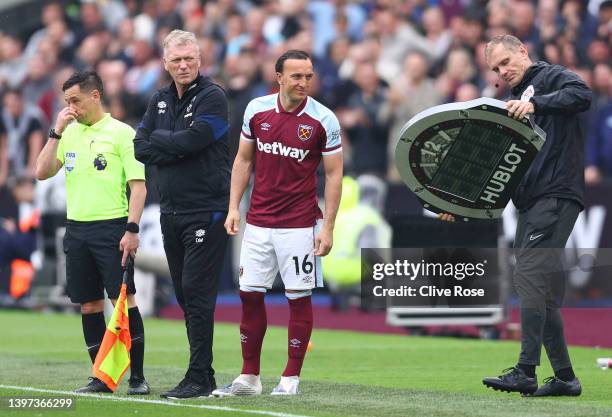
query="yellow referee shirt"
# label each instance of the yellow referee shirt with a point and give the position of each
(99, 160)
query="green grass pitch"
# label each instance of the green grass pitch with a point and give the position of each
(346, 374)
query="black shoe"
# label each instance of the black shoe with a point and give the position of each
(512, 380)
(554, 387)
(187, 389)
(95, 385)
(139, 387)
(164, 394)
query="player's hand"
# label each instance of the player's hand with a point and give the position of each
(446, 217)
(323, 242)
(232, 222)
(129, 246)
(64, 117)
(518, 109)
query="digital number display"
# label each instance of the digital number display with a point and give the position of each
(471, 160)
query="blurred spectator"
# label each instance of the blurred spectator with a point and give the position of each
(598, 52)
(327, 69)
(210, 54)
(243, 73)
(144, 22)
(604, 20)
(90, 53)
(52, 100)
(599, 147)
(460, 69)
(13, 63)
(268, 83)
(498, 15)
(523, 19)
(579, 26)
(410, 94)
(168, 15)
(24, 134)
(254, 37)
(437, 34)
(548, 21)
(329, 16)
(38, 80)
(90, 21)
(141, 79)
(18, 242)
(467, 92)
(120, 46)
(602, 81)
(364, 126)
(473, 29)
(54, 29)
(397, 39)
(121, 104)
(112, 11)
(113, 75)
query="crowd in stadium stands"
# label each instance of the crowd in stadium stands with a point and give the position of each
(378, 62)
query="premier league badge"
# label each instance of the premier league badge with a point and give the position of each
(466, 158)
(100, 162)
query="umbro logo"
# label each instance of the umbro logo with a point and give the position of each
(161, 105)
(534, 237)
(243, 338)
(295, 343)
(199, 235)
(307, 279)
(265, 126)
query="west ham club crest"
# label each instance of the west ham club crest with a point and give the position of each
(304, 132)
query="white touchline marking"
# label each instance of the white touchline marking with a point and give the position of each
(160, 402)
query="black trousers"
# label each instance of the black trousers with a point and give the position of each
(195, 246)
(539, 278)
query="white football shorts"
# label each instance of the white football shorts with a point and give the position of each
(267, 251)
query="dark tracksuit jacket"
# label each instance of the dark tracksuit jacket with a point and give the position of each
(558, 170)
(549, 199)
(186, 140)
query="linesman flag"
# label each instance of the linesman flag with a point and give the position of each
(113, 358)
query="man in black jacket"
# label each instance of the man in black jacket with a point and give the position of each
(184, 135)
(549, 199)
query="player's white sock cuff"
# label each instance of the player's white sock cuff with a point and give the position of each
(296, 295)
(249, 288)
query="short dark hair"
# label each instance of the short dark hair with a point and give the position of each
(290, 54)
(13, 90)
(86, 80)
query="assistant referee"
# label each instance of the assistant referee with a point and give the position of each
(101, 232)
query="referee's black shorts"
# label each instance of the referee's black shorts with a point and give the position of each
(93, 259)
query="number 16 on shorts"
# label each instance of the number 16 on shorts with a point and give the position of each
(267, 251)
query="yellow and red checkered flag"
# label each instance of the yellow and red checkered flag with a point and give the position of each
(113, 358)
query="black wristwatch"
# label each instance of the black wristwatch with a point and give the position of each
(54, 135)
(132, 227)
